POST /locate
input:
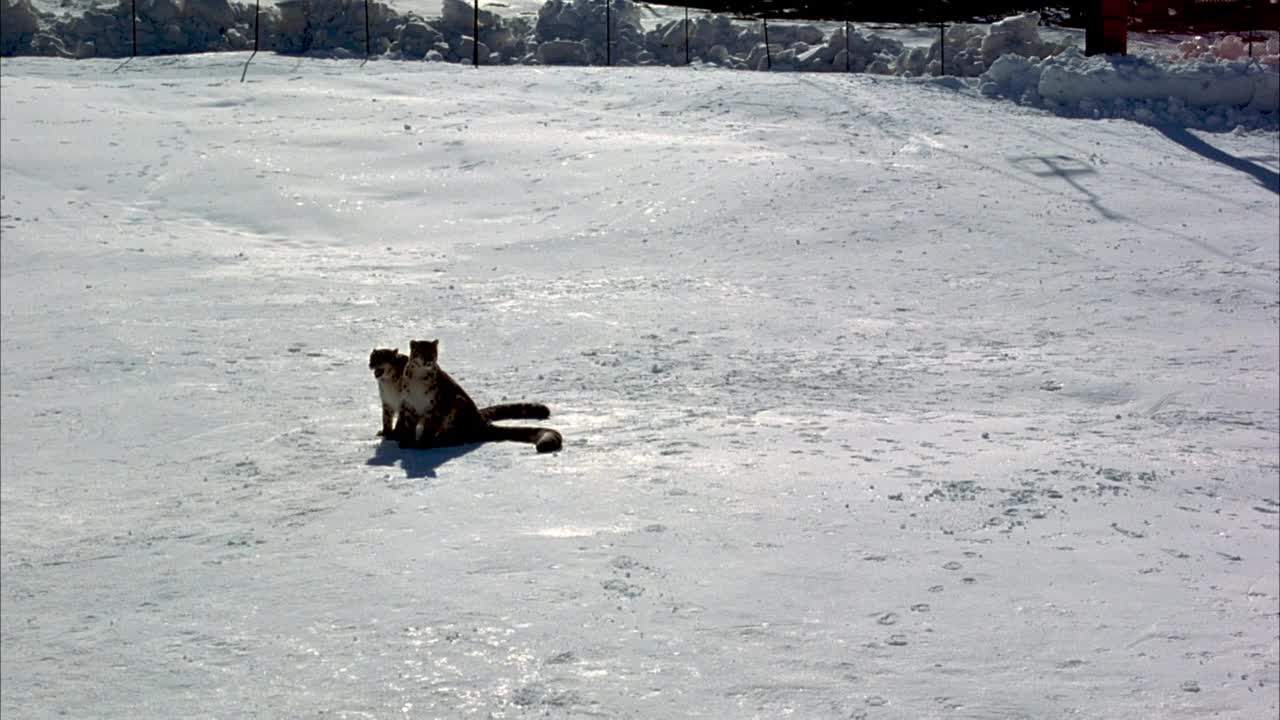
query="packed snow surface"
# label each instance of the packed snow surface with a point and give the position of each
(880, 399)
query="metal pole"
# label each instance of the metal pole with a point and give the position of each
(686, 35)
(608, 32)
(768, 52)
(942, 49)
(368, 42)
(475, 34)
(848, 62)
(1253, 23)
(1106, 29)
(1092, 13)
(133, 17)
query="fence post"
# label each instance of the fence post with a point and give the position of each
(475, 34)
(848, 62)
(133, 20)
(768, 51)
(1106, 27)
(942, 49)
(1253, 23)
(608, 32)
(686, 35)
(368, 41)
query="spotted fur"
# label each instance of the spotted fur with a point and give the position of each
(388, 366)
(435, 411)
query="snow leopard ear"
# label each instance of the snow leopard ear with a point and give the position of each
(423, 348)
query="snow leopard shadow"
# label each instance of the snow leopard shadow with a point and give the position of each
(417, 463)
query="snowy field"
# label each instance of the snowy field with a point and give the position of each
(880, 399)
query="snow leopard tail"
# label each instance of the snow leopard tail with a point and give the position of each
(544, 439)
(515, 411)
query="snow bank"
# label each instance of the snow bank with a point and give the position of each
(163, 27)
(1208, 85)
(574, 32)
(324, 27)
(19, 25)
(1206, 93)
(578, 29)
(1230, 47)
(970, 49)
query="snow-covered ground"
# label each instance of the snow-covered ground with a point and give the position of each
(881, 399)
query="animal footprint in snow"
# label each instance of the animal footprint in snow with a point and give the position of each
(562, 658)
(624, 562)
(624, 565)
(622, 588)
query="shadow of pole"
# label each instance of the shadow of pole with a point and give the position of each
(257, 37)
(1052, 167)
(1265, 177)
(1065, 169)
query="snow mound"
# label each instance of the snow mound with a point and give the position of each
(1208, 93)
(1229, 47)
(578, 29)
(19, 25)
(969, 50)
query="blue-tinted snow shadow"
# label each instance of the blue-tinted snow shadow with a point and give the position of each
(417, 463)
(1265, 177)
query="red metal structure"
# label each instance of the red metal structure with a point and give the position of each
(1204, 16)
(1108, 22)
(1107, 27)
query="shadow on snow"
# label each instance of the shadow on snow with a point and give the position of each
(417, 463)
